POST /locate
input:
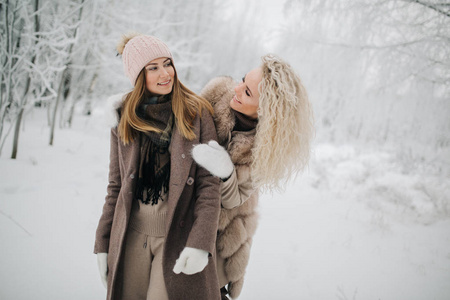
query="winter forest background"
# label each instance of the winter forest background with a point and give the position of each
(369, 219)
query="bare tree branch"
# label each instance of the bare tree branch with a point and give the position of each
(432, 6)
(15, 222)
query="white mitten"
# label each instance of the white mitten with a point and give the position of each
(102, 262)
(191, 261)
(213, 158)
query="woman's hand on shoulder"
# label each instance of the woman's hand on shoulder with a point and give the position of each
(213, 158)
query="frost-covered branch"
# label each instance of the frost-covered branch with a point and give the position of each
(433, 6)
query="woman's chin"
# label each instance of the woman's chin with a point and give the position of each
(234, 105)
(162, 90)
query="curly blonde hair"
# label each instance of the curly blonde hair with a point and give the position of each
(285, 127)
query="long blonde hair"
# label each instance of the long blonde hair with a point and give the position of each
(185, 106)
(285, 127)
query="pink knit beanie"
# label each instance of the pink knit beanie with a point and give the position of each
(138, 50)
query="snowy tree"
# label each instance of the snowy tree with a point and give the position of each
(67, 50)
(42, 54)
(87, 59)
(378, 70)
(65, 78)
(24, 98)
(19, 25)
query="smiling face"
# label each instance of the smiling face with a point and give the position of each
(246, 100)
(159, 76)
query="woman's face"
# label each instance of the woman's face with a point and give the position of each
(246, 100)
(159, 74)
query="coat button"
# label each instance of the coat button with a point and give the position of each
(183, 156)
(132, 176)
(190, 181)
(182, 224)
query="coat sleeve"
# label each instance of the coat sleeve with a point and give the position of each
(235, 191)
(104, 226)
(207, 206)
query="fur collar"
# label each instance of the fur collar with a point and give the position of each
(113, 104)
(219, 92)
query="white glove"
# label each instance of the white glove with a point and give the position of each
(191, 261)
(102, 262)
(213, 158)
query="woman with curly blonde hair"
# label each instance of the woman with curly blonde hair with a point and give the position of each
(264, 126)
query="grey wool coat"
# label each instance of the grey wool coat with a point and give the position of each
(237, 226)
(192, 218)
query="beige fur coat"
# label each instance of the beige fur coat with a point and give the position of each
(237, 225)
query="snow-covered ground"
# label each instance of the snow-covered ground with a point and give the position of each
(358, 225)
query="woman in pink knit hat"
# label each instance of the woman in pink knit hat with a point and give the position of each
(157, 234)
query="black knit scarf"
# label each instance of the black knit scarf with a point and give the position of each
(154, 164)
(243, 122)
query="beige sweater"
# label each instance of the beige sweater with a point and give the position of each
(149, 219)
(235, 193)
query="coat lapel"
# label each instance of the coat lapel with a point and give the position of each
(130, 157)
(180, 164)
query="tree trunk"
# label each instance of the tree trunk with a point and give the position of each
(16, 134)
(11, 49)
(55, 109)
(7, 76)
(27, 86)
(63, 80)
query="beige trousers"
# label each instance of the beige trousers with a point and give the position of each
(142, 269)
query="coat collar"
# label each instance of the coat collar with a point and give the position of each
(180, 152)
(113, 104)
(219, 92)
